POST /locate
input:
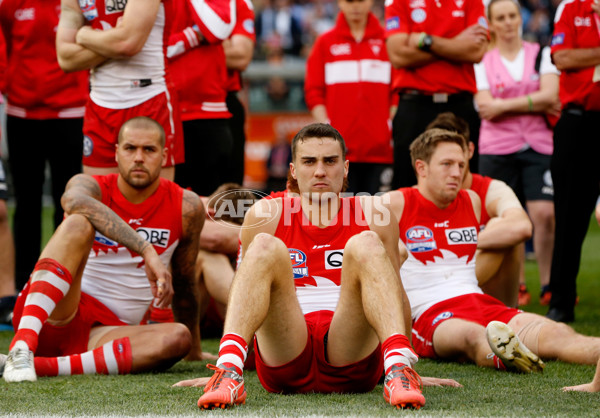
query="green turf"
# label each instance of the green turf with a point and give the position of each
(486, 392)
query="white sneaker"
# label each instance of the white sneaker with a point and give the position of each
(513, 353)
(19, 364)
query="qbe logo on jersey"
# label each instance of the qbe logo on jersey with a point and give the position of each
(155, 236)
(333, 259)
(298, 259)
(460, 236)
(420, 239)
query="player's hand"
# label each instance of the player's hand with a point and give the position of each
(196, 383)
(586, 387)
(474, 33)
(436, 381)
(194, 355)
(491, 109)
(596, 7)
(159, 277)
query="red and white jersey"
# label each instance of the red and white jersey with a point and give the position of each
(481, 185)
(316, 253)
(115, 275)
(577, 26)
(352, 80)
(36, 87)
(244, 26)
(441, 247)
(442, 18)
(124, 83)
(199, 69)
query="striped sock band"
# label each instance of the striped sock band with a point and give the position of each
(114, 357)
(49, 283)
(397, 350)
(232, 352)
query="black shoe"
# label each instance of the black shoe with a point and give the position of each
(7, 304)
(561, 315)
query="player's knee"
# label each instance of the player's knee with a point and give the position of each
(77, 228)
(266, 246)
(364, 247)
(179, 340)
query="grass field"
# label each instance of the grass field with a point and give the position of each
(485, 393)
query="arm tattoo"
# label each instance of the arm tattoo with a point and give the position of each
(83, 197)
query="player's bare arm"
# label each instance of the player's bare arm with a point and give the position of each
(72, 56)
(576, 59)
(238, 52)
(468, 46)
(186, 297)
(405, 55)
(83, 196)
(128, 37)
(509, 224)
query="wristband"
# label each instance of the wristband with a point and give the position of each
(530, 102)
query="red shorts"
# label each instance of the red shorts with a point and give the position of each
(310, 371)
(473, 307)
(101, 129)
(73, 337)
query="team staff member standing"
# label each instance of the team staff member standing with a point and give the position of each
(123, 43)
(434, 45)
(576, 53)
(347, 84)
(197, 62)
(44, 120)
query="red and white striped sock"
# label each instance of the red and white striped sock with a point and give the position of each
(49, 283)
(397, 350)
(498, 364)
(232, 352)
(114, 357)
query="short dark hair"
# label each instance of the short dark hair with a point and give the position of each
(143, 122)
(424, 146)
(318, 130)
(450, 122)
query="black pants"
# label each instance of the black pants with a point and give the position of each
(208, 147)
(411, 119)
(576, 179)
(369, 178)
(32, 143)
(236, 124)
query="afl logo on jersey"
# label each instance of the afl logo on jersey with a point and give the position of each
(420, 239)
(298, 259)
(102, 240)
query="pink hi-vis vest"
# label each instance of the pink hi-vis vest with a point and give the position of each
(509, 133)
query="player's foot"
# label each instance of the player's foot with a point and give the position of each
(19, 364)
(513, 353)
(524, 295)
(545, 295)
(402, 388)
(224, 389)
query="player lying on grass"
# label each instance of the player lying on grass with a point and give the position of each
(452, 318)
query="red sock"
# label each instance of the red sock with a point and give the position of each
(48, 284)
(498, 364)
(232, 352)
(397, 351)
(114, 357)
